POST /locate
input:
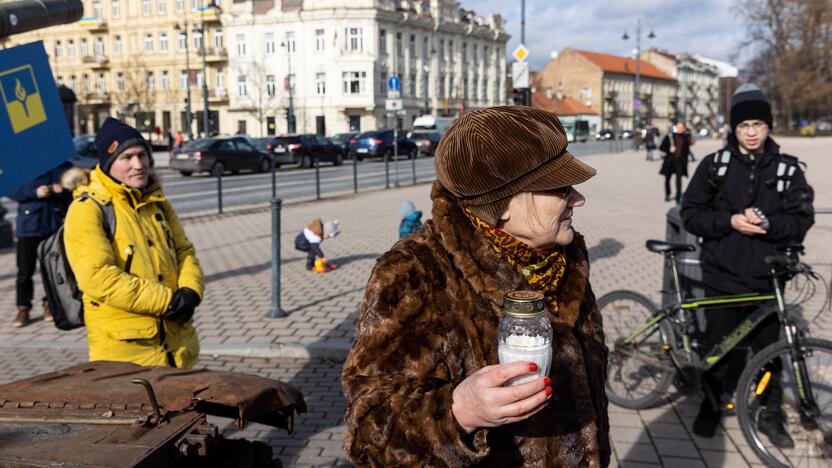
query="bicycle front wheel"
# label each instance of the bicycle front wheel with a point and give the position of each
(639, 370)
(792, 389)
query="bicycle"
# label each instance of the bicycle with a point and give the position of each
(652, 348)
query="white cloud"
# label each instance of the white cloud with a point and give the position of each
(707, 27)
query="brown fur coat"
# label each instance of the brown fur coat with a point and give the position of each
(429, 319)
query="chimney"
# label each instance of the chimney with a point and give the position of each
(549, 93)
(559, 95)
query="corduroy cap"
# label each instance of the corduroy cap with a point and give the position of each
(749, 103)
(490, 155)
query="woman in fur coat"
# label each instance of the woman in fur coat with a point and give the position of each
(422, 382)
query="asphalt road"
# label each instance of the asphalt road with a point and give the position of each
(198, 193)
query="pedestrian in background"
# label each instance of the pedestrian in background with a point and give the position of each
(422, 382)
(676, 146)
(723, 205)
(411, 219)
(650, 135)
(180, 140)
(42, 205)
(142, 284)
(309, 241)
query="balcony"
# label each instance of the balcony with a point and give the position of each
(93, 24)
(217, 96)
(207, 15)
(97, 61)
(213, 55)
(96, 97)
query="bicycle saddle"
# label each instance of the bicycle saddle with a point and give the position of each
(665, 247)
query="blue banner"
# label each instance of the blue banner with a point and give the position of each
(34, 134)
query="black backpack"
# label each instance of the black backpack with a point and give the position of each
(62, 293)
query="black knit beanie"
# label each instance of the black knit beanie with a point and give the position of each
(749, 103)
(113, 138)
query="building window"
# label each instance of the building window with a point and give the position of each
(220, 80)
(183, 79)
(425, 49)
(198, 40)
(218, 39)
(119, 81)
(355, 39)
(399, 45)
(180, 6)
(83, 48)
(354, 82)
(476, 57)
(115, 8)
(160, 7)
(96, 9)
(200, 79)
(183, 42)
(465, 88)
(320, 84)
(319, 40)
(85, 83)
(70, 48)
(412, 83)
(241, 45)
(451, 51)
(411, 46)
(100, 84)
(475, 88)
(150, 80)
(72, 82)
(464, 54)
(270, 86)
(382, 42)
(241, 86)
(269, 43)
(148, 43)
(290, 42)
(99, 46)
(440, 86)
(484, 90)
(60, 80)
(117, 45)
(165, 81)
(146, 8)
(442, 50)
(163, 42)
(57, 50)
(486, 59)
(382, 83)
(425, 84)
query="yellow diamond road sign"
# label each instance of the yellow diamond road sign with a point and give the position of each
(521, 52)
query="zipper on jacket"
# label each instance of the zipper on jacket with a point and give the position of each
(129, 262)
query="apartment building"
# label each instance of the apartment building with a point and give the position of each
(330, 61)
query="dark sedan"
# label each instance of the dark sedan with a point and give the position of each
(301, 149)
(380, 143)
(426, 141)
(218, 155)
(343, 140)
(86, 156)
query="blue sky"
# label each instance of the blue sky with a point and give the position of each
(712, 28)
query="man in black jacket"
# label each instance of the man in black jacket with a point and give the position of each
(719, 206)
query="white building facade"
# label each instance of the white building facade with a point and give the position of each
(333, 61)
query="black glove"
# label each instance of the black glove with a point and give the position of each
(182, 305)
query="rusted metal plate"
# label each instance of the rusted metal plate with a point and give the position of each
(97, 389)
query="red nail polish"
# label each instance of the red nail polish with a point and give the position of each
(532, 367)
(547, 381)
(548, 391)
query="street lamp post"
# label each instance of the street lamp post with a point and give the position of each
(188, 115)
(636, 102)
(290, 112)
(205, 112)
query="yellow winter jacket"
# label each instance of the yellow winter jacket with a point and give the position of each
(128, 282)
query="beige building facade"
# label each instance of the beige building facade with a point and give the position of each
(127, 58)
(606, 84)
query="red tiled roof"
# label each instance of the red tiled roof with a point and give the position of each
(563, 106)
(627, 66)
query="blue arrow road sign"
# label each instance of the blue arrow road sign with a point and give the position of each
(33, 128)
(394, 83)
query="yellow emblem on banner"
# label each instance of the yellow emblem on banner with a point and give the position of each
(22, 98)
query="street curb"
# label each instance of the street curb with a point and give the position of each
(333, 351)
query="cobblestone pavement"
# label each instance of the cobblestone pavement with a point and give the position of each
(625, 207)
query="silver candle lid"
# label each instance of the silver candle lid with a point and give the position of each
(524, 303)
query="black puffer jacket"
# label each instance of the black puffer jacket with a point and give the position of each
(734, 262)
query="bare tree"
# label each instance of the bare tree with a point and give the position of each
(137, 97)
(261, 89)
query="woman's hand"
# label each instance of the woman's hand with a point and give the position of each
(481, 400)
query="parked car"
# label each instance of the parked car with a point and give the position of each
(301, 149)
(605, 134)
(380, 143)
(218, 155)
(431, 122)
(343, 140)
(86, 156)
(426, 141)
(627, 135)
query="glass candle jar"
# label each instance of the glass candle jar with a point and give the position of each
(525, 333)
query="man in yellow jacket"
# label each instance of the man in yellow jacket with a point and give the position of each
(140, 288)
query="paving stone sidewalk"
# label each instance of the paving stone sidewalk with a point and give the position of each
(625, 207)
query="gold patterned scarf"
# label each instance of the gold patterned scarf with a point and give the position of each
(542, 269)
